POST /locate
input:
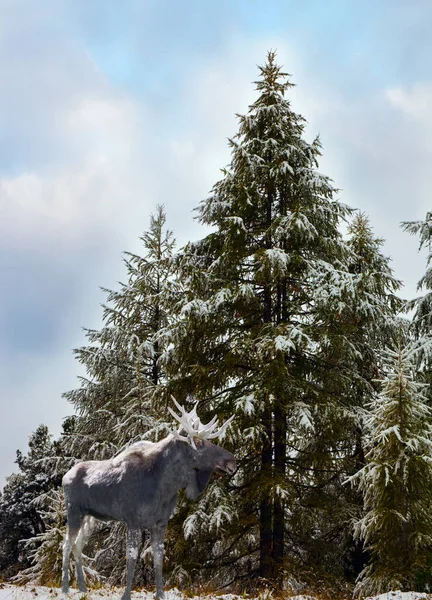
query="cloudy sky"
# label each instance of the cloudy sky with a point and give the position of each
(109, 108)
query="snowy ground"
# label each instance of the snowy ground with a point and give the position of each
(31, 592)
(399, 596)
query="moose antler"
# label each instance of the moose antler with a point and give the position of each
(191, 424)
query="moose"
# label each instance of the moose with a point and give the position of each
(140, 487)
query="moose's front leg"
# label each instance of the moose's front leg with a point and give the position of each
(157, 542)
(133, 539)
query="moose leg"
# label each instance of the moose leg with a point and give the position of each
(73, 527)
(133, 539)
(157, 542)
(66, 558)
(77, 547)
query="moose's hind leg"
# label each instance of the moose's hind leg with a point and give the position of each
(66, 558)
(72, 531)
(77, 548)
(87, 525)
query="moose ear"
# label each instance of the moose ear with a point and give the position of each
(198, 481)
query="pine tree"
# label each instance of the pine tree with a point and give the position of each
(396, 481)
(422, 319)
(421, 323)
(266, 332)
(376, 285)
(40, 470)
(45, 548)
(116, 403)
(121, 400)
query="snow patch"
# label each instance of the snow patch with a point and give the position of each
(195, 307)
(31, 592)
(398, 595)
(246, 404)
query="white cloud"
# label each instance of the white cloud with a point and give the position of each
(105, 126)
(414, 101)
(82, 190)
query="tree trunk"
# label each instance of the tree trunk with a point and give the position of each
(280, 449)
(279, 506)
(266, 508)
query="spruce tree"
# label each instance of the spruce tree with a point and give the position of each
(40, 470)
(116, 403)
(266, 332)
(422, 319)
(45, 548)
(421, 322)
(121, 399)
(376, 284)
(396, 481)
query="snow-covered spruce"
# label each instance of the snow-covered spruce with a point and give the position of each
(276, 313)
(422, 319)
(24, 495)
(421, 324)
(396, 481)
(119, 399)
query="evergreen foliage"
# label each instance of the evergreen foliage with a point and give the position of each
(422, 319)
(45, 549)
(119, 401)
(421, 322)
(376, 284)
(40, 471)
(116, 403)
(396, 481)
(268, 331)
